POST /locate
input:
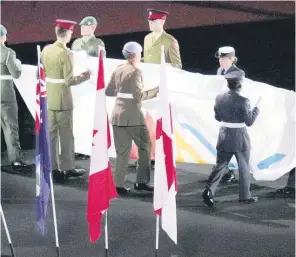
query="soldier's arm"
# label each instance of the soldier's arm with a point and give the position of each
(14, 65)
(217, 115)
(111, 88)
(142, 59)
(71, 80)
(174, 53)
(250, 115)
(93, 50)
(74, 45)
(137, 88)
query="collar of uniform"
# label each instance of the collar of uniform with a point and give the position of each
(60, 44)
(87, 38)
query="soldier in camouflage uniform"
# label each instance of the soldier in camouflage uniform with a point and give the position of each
(157, 38)
(10, 68)
(57, 62)
(89, 43)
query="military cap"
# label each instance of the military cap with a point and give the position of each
(3, 31)
(236, 75)
(225, 51)
(132, 48)
(154, 14)
(89, 20)
(66, 24)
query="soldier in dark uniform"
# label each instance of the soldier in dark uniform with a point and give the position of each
(90, 44)
(227, 61)
(57, 62)
(128, 120)
(234, 113)
(11, 68)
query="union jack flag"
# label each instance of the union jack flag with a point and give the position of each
(42, 157)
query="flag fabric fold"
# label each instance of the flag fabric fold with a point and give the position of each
(165, 181)
(42, 154)
(101, 187)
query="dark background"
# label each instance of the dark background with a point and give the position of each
(265, 50)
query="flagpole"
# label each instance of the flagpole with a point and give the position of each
(51, 183)
(157, 235)
(106, 234)
(54, 216)
(7, 231)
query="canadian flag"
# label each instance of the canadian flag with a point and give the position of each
(101, 187)
(165, 182)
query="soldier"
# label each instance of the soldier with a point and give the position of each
(128, 120)
(11, 68)
(88, 42)
(57, 61)
(227, 60)
(234, 113)
(157, 38)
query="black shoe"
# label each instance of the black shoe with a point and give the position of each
(74, 172)
(123, 191)
(208, 198)
(81, 156)
(21, 165)
(58, 176)
(152, 164)
(142, 186)
(286, 190)
(228, 177)
(253, 199)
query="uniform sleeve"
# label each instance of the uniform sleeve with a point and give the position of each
(71, 80)
(111, 88)
(93, 50)
(216, 109)
(73, 46)
(250, 115)
(174, 53)
(144, 48)
(137, 88)
(14, 65)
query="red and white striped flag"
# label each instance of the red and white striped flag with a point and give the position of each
(165, 181)
(101, 187)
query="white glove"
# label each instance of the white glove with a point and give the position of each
(258, 101)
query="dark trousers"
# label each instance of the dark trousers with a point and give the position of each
(291, 179)
(223, 159)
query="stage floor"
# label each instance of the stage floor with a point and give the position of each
(264, 229)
